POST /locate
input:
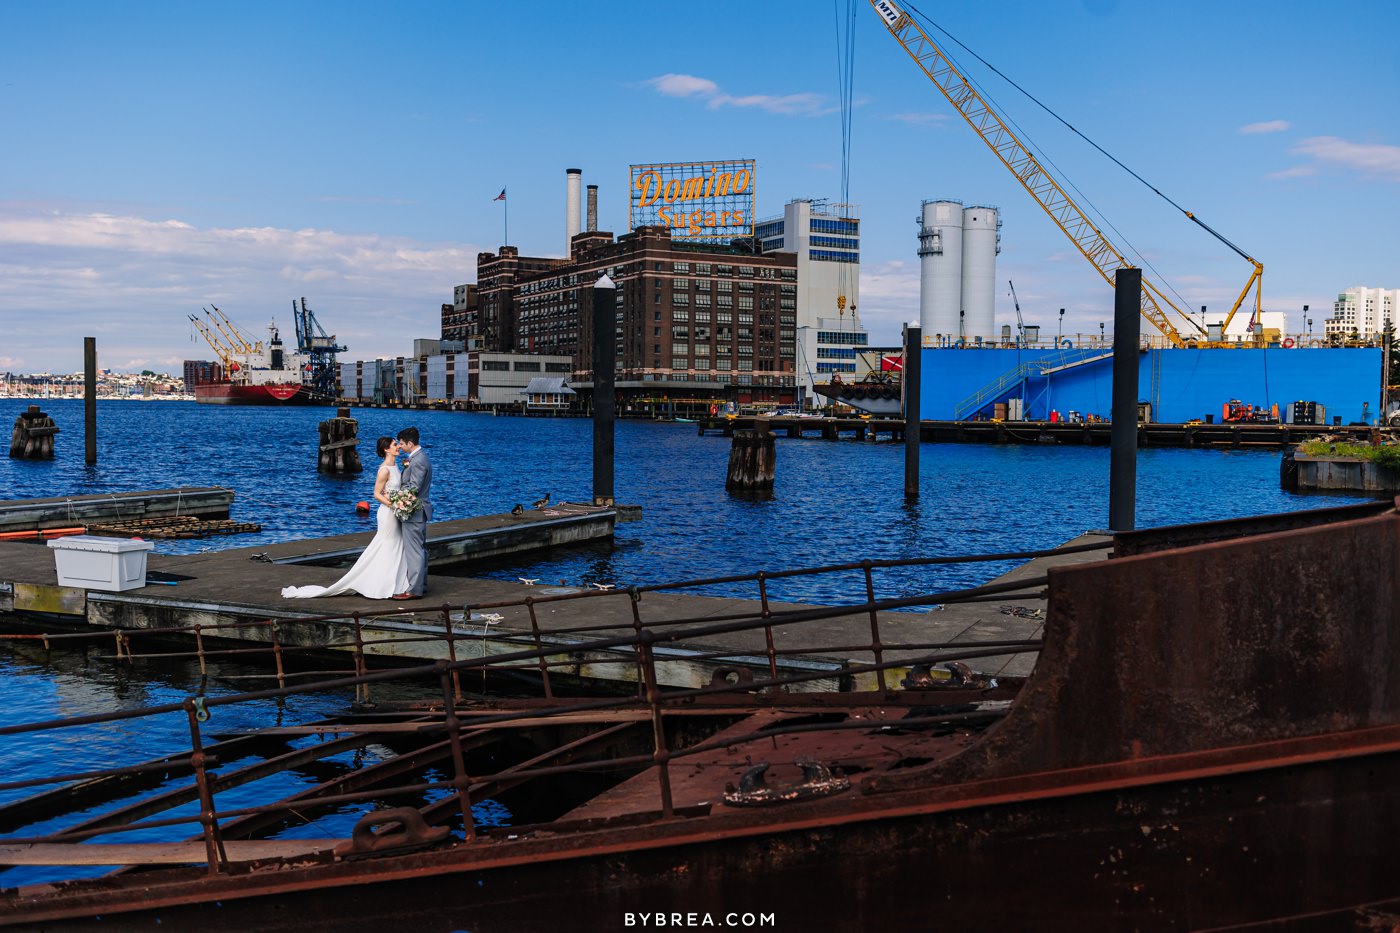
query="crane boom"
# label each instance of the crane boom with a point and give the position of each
(1066, 214)
(234, 335)
(225, 353)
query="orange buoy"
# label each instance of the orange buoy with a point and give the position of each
(361, 506)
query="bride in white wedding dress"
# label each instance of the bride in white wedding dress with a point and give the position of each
(380, 572)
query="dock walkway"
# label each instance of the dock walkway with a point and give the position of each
(232, 594)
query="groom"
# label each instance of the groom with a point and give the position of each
(418, 473)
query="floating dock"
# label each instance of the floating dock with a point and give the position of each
(234, 595)
(208, 502)
(1232, 436)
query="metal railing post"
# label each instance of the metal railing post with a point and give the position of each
(539, 646)
(459, 760)
(213, 842)
(876, 648)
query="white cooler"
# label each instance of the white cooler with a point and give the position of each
(92, 562)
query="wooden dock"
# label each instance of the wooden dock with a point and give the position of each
(234, 595)
(1233, 436)
(78, 511)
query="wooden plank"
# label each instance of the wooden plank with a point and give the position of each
(157, 853)
(336, 445)
(40, 597)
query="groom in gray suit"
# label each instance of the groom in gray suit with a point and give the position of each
(418, 473)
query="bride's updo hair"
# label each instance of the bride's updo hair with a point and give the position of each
(382, 445)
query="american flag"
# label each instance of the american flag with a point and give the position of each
(501, 196)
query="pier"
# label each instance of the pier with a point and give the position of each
(1232, 436)
(208, 602)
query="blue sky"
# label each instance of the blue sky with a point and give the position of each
(158, 157)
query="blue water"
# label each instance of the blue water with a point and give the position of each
(833, 503)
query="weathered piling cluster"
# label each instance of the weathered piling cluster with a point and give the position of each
(339, 442)
(753, 461)
(33, 436)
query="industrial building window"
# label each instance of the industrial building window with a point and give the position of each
(835, 226)
(724, 317)
(494, 366)
(702, 301)
(702, 315)
(682, 267)
(745, 318)
(789, 275)
(680, 283)
(523, 367)
(680, 333)
(680, 298)
(746, 271)
(745, 304)
(702, 349)
(558, 367)
(724, 270)
(724, 286)
(702, 268)
(827, 255)
(656, 332)
(724, 301)
(680, 362)
(746, 287)
(656, 348)
(680, 314)
(745, 366)
(702, 285)
(724, 363)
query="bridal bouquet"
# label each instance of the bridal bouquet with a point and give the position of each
(404, 502)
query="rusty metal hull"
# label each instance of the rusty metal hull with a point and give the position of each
(1168, 855)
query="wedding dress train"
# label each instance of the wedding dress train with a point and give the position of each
(380, 572)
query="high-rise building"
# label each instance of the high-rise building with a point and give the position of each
(1363, 312)
(826, 241)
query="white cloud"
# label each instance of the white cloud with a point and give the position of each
(889, 297)
(1268, 126)
(1368, 158)
(131, 281)
(1297, 171)
(679, 85)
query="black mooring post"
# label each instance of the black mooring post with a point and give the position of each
(604, 388)
(1122, 471)
(913, 354)
(90, 396)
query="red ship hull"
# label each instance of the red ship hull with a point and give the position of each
(227, 393)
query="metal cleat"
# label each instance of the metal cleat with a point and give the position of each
(817, 781)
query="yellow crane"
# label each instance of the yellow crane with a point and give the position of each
(1047, 192)
(224, 352)
(235, 336)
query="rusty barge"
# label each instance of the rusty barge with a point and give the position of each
(1199, 746)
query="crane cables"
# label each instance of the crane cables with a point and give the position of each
(845, 67)
(1040, 154)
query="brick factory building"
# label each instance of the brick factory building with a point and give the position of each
(697, 324)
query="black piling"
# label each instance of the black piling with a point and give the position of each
(32, 438)
(753, 462)
(604, 388)
(913, 354)
(1123, 438)
(339, 444)
(90, 397)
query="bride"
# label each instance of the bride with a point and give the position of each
(380, 572)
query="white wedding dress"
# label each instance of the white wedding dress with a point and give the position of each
(380, 572)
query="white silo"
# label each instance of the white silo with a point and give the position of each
(940, 269)
(981, 243)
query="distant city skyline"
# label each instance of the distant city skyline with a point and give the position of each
(161, 156)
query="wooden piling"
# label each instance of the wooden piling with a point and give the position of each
(90, 399)
(339, 443)
(752, 461)
(32, 438)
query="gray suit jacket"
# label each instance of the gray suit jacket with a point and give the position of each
(418, 473)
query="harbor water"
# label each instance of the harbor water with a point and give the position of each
(833, 502)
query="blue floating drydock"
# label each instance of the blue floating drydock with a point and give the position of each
(964, 384)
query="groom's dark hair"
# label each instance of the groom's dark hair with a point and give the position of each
(409, 434)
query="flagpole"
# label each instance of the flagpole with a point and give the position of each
(505, 213)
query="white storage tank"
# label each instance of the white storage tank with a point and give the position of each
(981, 225)
(940, 270)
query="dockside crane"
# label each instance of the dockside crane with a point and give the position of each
(236, 337)
(318, 346)
(224, 352)
(1042, 186)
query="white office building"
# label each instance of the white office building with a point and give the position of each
(824, 307)
(1363, 312)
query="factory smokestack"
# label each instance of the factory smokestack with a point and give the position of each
(592, 208)
(572, 209)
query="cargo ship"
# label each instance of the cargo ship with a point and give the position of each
(258, 372)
